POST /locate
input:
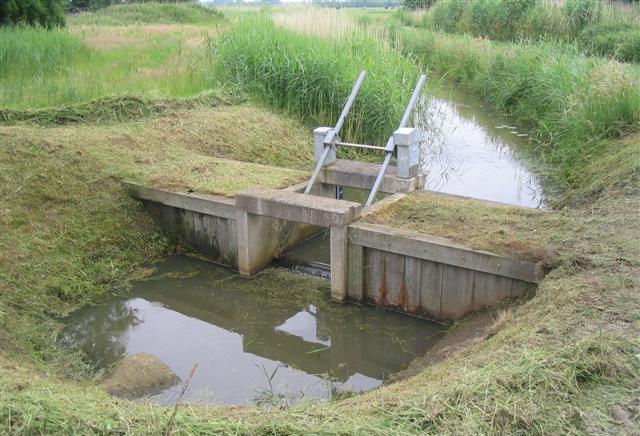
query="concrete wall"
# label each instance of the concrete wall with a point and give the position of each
(429, 276)
(207, 225)
(211, 236)
(406, 271)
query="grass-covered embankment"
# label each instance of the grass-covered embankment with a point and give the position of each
(218, 150)
(70, 233)
(311, 77)
(572, 104)
(596, 27)
(102, 53)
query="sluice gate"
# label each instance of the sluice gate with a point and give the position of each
(407, 271)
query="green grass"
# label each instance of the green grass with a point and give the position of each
(575, 21)
(311, 77)
(571, 103)
(109, 53)
(621, 41)
(114, 109)
(149, 13)
(24, 49)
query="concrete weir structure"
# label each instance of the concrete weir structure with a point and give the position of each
(406, 271)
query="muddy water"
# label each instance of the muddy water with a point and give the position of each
(473, 152)
(244, 332)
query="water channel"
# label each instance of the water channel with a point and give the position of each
(470, 151)
(240, 332)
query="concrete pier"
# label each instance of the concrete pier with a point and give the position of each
(256, 210)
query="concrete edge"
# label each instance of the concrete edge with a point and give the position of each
(426, 192)
(441, 250)
(385, 202)
(202, 203)
(301, 208)
(361, 175)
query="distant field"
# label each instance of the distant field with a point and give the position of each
(137, 49)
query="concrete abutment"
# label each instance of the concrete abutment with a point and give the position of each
(402, 270)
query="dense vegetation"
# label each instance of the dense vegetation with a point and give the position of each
(596, 27)
(83, 5)
(311, 77)
(571, 102)
(45, 13)
(150, 13)
(139, 52)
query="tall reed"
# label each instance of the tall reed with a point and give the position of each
(615, 26)
(311, 77)
(26, 49)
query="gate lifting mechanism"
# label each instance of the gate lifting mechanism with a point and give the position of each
(332, 140)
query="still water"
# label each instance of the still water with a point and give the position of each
(470, 151)
(242, 332)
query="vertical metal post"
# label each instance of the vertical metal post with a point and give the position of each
(332, 134)
(390, 146)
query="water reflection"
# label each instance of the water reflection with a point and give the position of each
(191, 311)
(469, 151)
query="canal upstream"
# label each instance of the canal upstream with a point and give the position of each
(470, 151)
(244, 332)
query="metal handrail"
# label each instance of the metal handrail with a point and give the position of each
(330, 139)
(390, 146)
(365, 146)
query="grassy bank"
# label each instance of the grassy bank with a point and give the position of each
(609, 29)
(572, 104)
(108, 53)
(69, 231)
(311, 77)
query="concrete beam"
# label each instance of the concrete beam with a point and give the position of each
(299, 208)
(202, 203)
(441, 250)
(362, 175)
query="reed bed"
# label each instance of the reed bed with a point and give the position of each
(602, 28)
(332, 24)
(311, 77)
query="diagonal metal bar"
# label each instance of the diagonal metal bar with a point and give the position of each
(390, 146)
(333, 133)
(349, 102)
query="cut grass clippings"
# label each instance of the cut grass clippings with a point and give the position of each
(510, 231)
(118, 108)
(213, 150)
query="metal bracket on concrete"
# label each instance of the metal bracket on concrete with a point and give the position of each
(331, 135)
(391, 143)
(326, 141)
